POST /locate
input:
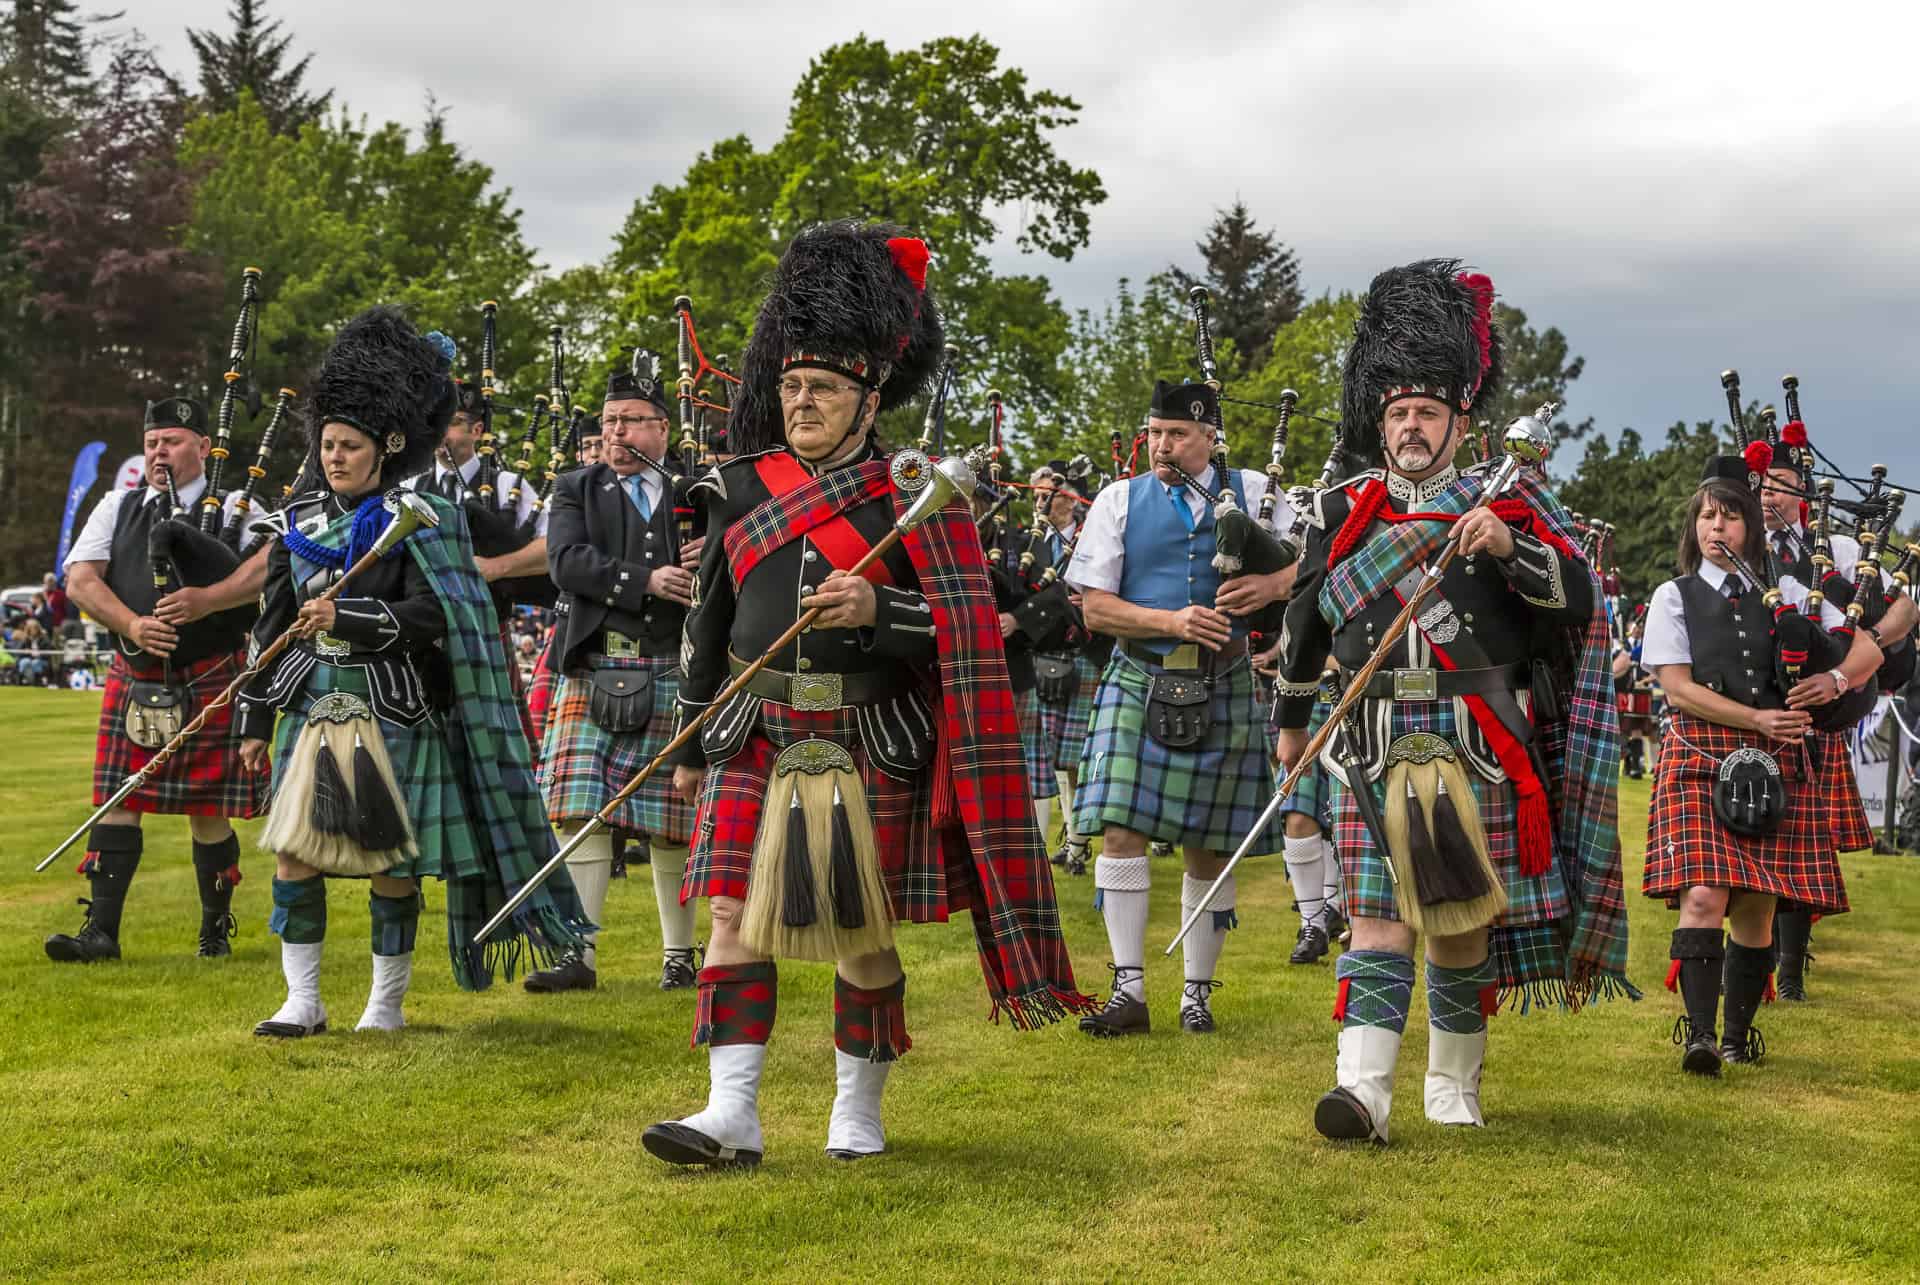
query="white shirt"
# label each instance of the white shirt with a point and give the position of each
(1666, 641)
(95, 541)
(1098, 557)
(1846, 549)
(503, 484)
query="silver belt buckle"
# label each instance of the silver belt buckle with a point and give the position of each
(814, 692)
(1416, 684)
(327, 647)
(620, 647)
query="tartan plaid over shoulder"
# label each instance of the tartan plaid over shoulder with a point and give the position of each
(996, 860)
(1578, 749)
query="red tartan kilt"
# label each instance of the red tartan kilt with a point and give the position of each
(1688, 847)
(1634, 704)
(728, 819)
(540, 693)
(204, 777)
(519, 687)
(1852, 829)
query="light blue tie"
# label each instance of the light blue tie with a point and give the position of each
(1178, 494)
(637, 492)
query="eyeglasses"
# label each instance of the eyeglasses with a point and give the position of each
(631, 421)
(821, 390)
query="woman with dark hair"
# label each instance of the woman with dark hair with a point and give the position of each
(398, 753)
(1741, 815)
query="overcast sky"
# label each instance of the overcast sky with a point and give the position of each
(1680, 186)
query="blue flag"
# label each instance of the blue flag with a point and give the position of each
(86, 468)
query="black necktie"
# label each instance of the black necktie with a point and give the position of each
(1783, 545)
(1733, 588)
(450, 486)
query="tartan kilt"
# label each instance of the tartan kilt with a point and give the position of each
(1026, 707)
(1208, 797)
(1063, 728)
(540, 694)
(204, 778)
(728, 821)
(1313, 796)
(1852, 828)
(1688, 847)
(582, 765)
(422, 765)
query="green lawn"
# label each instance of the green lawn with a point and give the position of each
(144, 1132)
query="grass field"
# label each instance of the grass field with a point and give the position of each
(144, 1132)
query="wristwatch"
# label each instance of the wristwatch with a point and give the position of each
(1840, 683)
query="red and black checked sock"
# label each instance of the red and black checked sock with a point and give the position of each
(736, 1005)
(870, 1024)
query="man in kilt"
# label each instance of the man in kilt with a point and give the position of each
(1768, 835)
(174, 652)
(1068, 673)
(1491, 724)
(1177, 751)
(1313, 866)
(1790, 549)
(625, 580)
(871, 774)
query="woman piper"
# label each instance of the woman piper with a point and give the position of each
(1743, 795)
(399, 753)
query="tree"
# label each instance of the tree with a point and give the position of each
(1111, 362)
(1538, 369)
(116, 307)
(939, 139)
(1643, 495)
(252, 59)
(1254, 280)
(46, 54)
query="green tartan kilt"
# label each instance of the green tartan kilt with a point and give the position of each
(1313, 795)
(1528, 944)
(1207, 797)
(422, 766)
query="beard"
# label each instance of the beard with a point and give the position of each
(1413, 457)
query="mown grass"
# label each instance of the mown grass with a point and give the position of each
(145, 1133)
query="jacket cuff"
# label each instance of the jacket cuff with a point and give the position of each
(629, 589)
(253, 722)
(1534, 571)
(691, 754)
(1294, 707)
(367, 623)
(902, 625)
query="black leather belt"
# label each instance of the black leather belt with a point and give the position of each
(822, 691)
(1141, 653)
(1445, 684)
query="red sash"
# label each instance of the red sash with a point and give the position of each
(833, 534)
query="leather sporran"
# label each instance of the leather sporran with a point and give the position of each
(1179, 709)
(1059, 679)
(155, 713)
(1749, 793)
(620, 700)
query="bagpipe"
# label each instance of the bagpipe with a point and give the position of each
(1243, 543)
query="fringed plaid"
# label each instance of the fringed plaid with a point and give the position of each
(205, 778)
(995, 860)
(1688, 847)
(1581, 751)
(489, 779)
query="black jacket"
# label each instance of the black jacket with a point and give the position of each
(600, 555)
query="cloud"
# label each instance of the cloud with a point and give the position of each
(1679, 187)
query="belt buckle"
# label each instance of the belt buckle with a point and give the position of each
(327, 647)
(620, 647)
(814, 693)
(1185, 656)
(1416, 684)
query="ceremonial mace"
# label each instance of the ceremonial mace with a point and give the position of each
(1526, 443)
(946, 480)
(411, 513)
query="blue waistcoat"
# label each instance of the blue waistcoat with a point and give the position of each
(1165, 566)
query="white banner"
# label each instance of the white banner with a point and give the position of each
(1872, 741)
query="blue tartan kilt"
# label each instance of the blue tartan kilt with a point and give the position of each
(1027, 706)
(422, 766)
(1528, 946)
(582, 765)
(1313, 795)
(1208, 797)
(1063, 728)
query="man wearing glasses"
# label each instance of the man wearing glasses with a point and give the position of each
(625, 581)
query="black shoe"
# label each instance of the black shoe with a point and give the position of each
(90, 945)
(1335, 925)
(570, 974)
(676, 970)
(1750, 1050)
(1196, 1013)
(1790, 988)
(676, 1144)
(215, 931)
(1123, 1015)
(1311, 945)
(1701, 1056)
(1060, 858)
(1341, 1116)
(1077, 858)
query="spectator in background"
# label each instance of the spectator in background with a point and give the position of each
(41, 612)
(57, 602)
(32, 645)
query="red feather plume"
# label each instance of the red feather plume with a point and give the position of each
(910, 256)
(1793, 433)
(1480, 286)
(1759, 457)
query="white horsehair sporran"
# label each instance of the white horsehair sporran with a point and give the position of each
(340, 728)
(1437, 847)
